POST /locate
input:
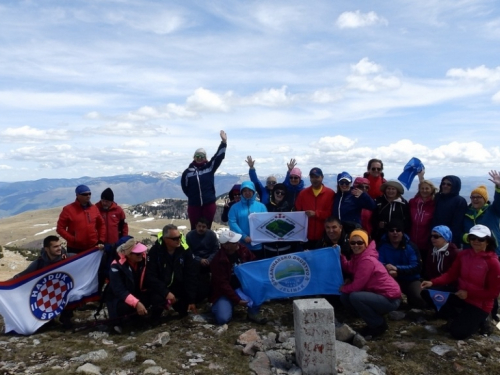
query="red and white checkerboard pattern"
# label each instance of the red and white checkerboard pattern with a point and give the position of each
(50, 295)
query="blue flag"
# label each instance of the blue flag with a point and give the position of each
(411, 169)
(439, 298)
(299, 274)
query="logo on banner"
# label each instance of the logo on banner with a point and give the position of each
(280, 227)
(289, 273)
(48, 296)
(439, 298)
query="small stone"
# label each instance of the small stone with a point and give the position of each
(294, 370)
(221, 330)
(149, 362)
(153, 370)
(98, 355)
(441, 349)
(431, 329)
(247, 337)
(107, 342)
(359, 341)
(396, 315)
(404, 346)
(89, 368)
(161, 339)
(250, 349)
(36, 342)
(283, 336)
(344, 333)
(214, 366)
(457, 367)
(129, 357)
(261, 364)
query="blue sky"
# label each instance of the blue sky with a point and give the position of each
(96, 88)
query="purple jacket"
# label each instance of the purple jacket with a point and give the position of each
(369, 275)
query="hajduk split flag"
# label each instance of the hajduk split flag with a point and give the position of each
(298, 274)
(30, 301)
(278, 226)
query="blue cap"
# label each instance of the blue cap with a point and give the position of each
(344, 176)
(316, 172)
(82, 189)
(444, 232)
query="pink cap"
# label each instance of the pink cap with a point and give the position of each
(296, 172)
(361, 180)
(139, 248)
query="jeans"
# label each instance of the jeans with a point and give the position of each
(371, 307)
(223, 310)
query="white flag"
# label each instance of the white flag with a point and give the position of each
(278, 226)
(30, 301)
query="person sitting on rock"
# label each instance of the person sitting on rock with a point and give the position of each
(126, 296)
(224, 281)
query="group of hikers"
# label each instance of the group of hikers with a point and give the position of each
(390, 247)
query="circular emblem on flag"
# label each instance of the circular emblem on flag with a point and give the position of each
(49, 295)
(289, 273)
(438, 297)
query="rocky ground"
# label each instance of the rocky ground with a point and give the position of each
(414, 344)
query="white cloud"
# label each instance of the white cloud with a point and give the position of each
(135, 143)
(5, 167)
(356, 19)
(30, 134)
(496, 97)
(365, 67)
(268, 98)
(480, 73)
(364, 77)
(49, 100)
(206, 100)
(333, 144)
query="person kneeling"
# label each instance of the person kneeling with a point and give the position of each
(126, 297)
(224, 281)
(372, 291)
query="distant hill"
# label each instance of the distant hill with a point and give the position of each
(130, 189)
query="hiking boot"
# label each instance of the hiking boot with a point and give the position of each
(257, 318)
(486, 327)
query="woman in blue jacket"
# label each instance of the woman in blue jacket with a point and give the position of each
(239, 213)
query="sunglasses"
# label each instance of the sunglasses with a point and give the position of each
(294, 178)
(279, 192)
(435, 236)
(199, 156)
(475, 238)
(446, 184)
(178, 238)
(358, 243)
(271, 182)
(394, 230)
(376, 169)
(86, 194)
(344, 182)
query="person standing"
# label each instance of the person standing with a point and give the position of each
(316, 201)
(113, 216)
(198, 184)
(375, 176)
(81, 224)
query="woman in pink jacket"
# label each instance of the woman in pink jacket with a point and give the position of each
(477, 273)
(370, 291)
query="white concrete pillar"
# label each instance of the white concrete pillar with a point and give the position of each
(314, 324)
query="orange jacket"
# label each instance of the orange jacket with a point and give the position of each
(82, 228)
(322, 207)
(115, 221)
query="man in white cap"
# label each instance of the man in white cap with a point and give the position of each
(197, 183)
(224, 281)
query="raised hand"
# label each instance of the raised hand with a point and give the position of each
(250, 161)
(223, 136)
(291, 164)
(495, 178)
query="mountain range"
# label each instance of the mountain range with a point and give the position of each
(18, 197)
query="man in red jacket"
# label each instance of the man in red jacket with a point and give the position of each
(317, 202)
(81, 224)
(113, 216)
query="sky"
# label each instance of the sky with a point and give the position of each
(100, 88)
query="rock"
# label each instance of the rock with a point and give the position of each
(457, 367)
(396, 315)
(202, 318)
(129, 357)
(283, 336)
(154, 370)
(161, 339)
(250, 349)
(359, 341)
(404, 346)
(98, 355)
(350, 358)
(248, 337)
(294, 370)
(149, 362)
(221, 330)
(107, 342)
(431, 329)
(89, 368)
(36, 342)
(261, 364)
(96, 335)
(278, 360)
(441, 349)
(344, 333)
(214, 366)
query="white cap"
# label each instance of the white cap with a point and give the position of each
(200, 151)
(229, 236)
(480, 231)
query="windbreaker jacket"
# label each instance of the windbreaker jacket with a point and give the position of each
(369, 275)
(476, 273)
(262, 190)
(386, 212)
(115, 221)
(122, 282)
(321, 205)
(82, 228)
(421, 213)
(197, 182)
(239, 213)
(347, 207)
(450, 209)
(406, 258)
(488, 216)
(375, 184)
(222, 271)
(166, 273)
(292, 191)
